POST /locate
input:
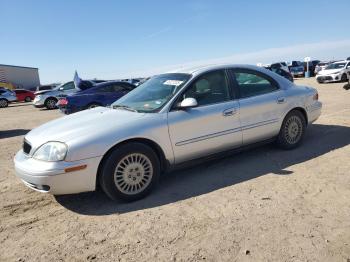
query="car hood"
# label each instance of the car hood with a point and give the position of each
(42, 92)
(329, 71)
(81, 124)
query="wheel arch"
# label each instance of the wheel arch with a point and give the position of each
(301, 110)
(93, 103)
(157, 149)
(51, 97)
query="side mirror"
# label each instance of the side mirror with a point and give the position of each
(188, 103)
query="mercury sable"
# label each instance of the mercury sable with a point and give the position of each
(171, 119)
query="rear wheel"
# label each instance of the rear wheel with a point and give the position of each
(27, 99)
(292, 131)
(50, 103)
(130, 172)
(4, 103)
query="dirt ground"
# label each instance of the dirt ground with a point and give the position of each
(260, 205)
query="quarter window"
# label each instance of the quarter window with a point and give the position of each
(209, 88)
(251, 84)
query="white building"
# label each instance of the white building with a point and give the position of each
(20, 76)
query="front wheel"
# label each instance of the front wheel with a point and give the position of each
(4, 103)
(50, 103)
(130, 172)
(292, 130)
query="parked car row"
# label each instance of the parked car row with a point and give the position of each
(18, 95)
(102, 94)
(324, 71)
(334, 72)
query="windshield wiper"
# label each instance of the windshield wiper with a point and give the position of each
(125, 108)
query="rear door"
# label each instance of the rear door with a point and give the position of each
(262, 104)
(212, 126)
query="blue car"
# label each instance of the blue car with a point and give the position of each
(102, 94)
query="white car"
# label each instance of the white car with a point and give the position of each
(320, 66)
(338, 71)
(169, 120)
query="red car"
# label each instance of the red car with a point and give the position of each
(24, 95)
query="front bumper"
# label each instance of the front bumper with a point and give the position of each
(11, 98)
(51, 177)
(300, 73)
(328, 78)
(39, 102)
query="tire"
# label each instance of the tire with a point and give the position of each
(344, 78)
(3, 103)
(27, 99)
(129, 172)
(92, 105)
(50, 103)
(292, 131)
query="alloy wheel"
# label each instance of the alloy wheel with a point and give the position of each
(293, 129)
(51, 104)
(3, 103)
(133, 173)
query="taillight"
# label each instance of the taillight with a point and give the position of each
(315, 97)
(63, 102)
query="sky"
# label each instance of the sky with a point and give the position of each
(121, 39)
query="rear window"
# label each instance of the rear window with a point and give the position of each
(252, 83)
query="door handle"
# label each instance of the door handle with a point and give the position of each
(229, 112)
(281, 100)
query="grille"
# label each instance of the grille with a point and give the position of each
(26, 147)
(322, 78)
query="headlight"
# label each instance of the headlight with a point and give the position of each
(38, 97)
(336, 73)
(51, 151)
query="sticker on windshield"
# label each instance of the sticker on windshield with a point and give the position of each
(173, 82)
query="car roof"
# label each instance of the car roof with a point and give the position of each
(204, 68)
(340, 62)
(102, 84)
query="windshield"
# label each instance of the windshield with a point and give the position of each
(336, 66)
(152, 95)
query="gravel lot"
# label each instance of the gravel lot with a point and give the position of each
(260, 205)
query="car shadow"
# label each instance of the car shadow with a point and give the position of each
(17, 104)
(13, 133)
(214, 175)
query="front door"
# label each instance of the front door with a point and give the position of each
(212, 126)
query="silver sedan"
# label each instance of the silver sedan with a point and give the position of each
(171, 119)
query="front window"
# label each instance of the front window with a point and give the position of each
(336, 66)
(210, 88)
(152, 95)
